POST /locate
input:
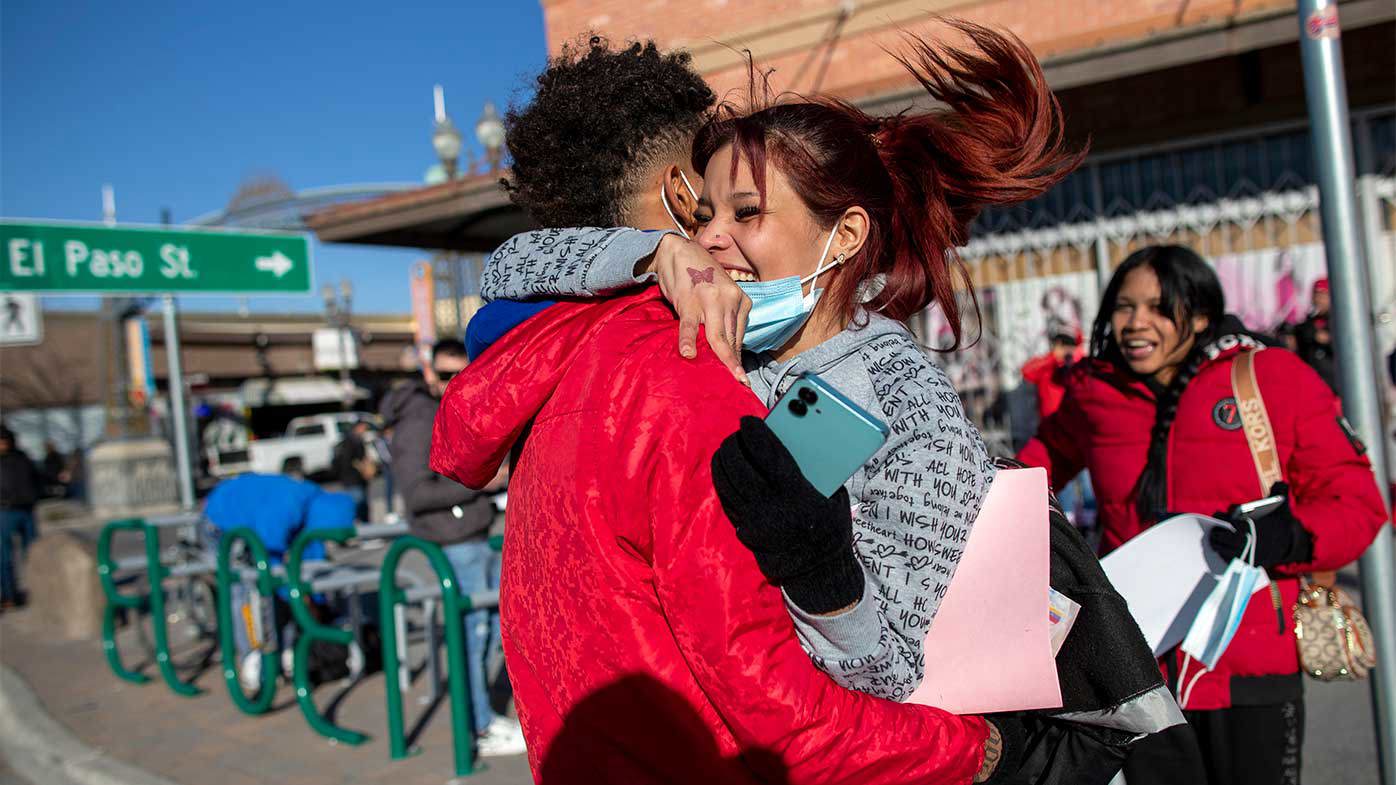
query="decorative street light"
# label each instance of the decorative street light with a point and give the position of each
(338, 312)
(445, 138)
(490, 132)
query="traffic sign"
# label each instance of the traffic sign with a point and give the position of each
(70, 258)
(21, 322)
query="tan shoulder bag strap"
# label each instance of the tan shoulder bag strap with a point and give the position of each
(1255, 421)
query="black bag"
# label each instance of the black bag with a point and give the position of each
(327, 662)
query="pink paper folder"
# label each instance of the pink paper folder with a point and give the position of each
(989, 648)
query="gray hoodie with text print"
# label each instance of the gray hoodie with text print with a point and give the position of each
(915, 500)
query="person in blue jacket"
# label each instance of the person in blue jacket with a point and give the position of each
(277, 508)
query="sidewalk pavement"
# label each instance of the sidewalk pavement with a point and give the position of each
(205, 740)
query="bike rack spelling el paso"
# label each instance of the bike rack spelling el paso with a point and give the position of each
(268, 578)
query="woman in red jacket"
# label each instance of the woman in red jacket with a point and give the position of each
(1153, 417)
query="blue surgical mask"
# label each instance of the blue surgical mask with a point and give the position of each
(664, 200)
(1220, 615)
(780, 308)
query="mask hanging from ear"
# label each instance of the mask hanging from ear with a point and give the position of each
(664, 200)
(780, 308)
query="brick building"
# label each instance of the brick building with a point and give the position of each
(1194, 111)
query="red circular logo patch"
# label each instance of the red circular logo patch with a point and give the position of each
(1227, 415)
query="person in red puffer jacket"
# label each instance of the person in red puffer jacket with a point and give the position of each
(1047, 372)
(643, 643)
(1153, 417)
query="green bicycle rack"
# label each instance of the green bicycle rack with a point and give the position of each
(154, 600)
(115, 599)
(227, 576)
(454, 606)
(311, 631)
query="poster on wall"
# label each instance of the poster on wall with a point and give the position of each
(1027, 311)
(1271, 287)
(973, 368)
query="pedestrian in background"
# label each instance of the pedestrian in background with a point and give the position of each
(278, 509)
(456, 518)
(55, 472)
(1047, 373)
(1314, 337)
(1154, 416)
(354, 468)
(19, 490)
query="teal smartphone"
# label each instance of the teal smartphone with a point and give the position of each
(829, 435)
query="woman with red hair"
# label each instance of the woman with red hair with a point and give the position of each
(840, 225)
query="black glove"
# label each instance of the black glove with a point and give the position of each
(802, 540)
(1279, 537)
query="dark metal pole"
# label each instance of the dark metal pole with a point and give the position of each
(1352, 318)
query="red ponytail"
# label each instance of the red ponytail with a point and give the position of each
(923, 178)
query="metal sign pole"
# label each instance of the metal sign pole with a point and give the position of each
(1351, 315)
(179, 409)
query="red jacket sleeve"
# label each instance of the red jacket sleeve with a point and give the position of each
(737, 639)
(1334, 492)
(1040, 369)
(1057, 445)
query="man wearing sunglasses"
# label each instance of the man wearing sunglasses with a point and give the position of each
(456, 518)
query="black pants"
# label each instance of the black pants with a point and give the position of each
(1242, 745)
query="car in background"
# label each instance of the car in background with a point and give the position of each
(307, 449)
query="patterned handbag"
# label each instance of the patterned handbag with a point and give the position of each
(1335, 642)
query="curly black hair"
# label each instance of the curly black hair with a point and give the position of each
(601, 119)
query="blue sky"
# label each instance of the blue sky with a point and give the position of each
(176, 103)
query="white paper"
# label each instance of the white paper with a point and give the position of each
(1165, 574)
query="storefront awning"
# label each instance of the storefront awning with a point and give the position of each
(470, 214)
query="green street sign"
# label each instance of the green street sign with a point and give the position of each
(74, 258)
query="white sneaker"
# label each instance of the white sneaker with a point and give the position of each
(250, 671)
(502, 737)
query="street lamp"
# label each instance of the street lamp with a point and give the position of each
(337, 313)
(490, 132)
(445, 138)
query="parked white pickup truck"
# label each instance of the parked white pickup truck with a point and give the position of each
(307, 448)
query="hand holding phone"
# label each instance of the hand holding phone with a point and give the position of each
(802, 538)
(1256, 509)
(829, 436)
(1280, 538)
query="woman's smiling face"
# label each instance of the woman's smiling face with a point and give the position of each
(1147, 334)
(752, 243)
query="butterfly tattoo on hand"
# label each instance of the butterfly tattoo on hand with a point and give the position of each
(701, 276)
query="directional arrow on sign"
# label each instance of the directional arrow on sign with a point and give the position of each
(278, 264)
